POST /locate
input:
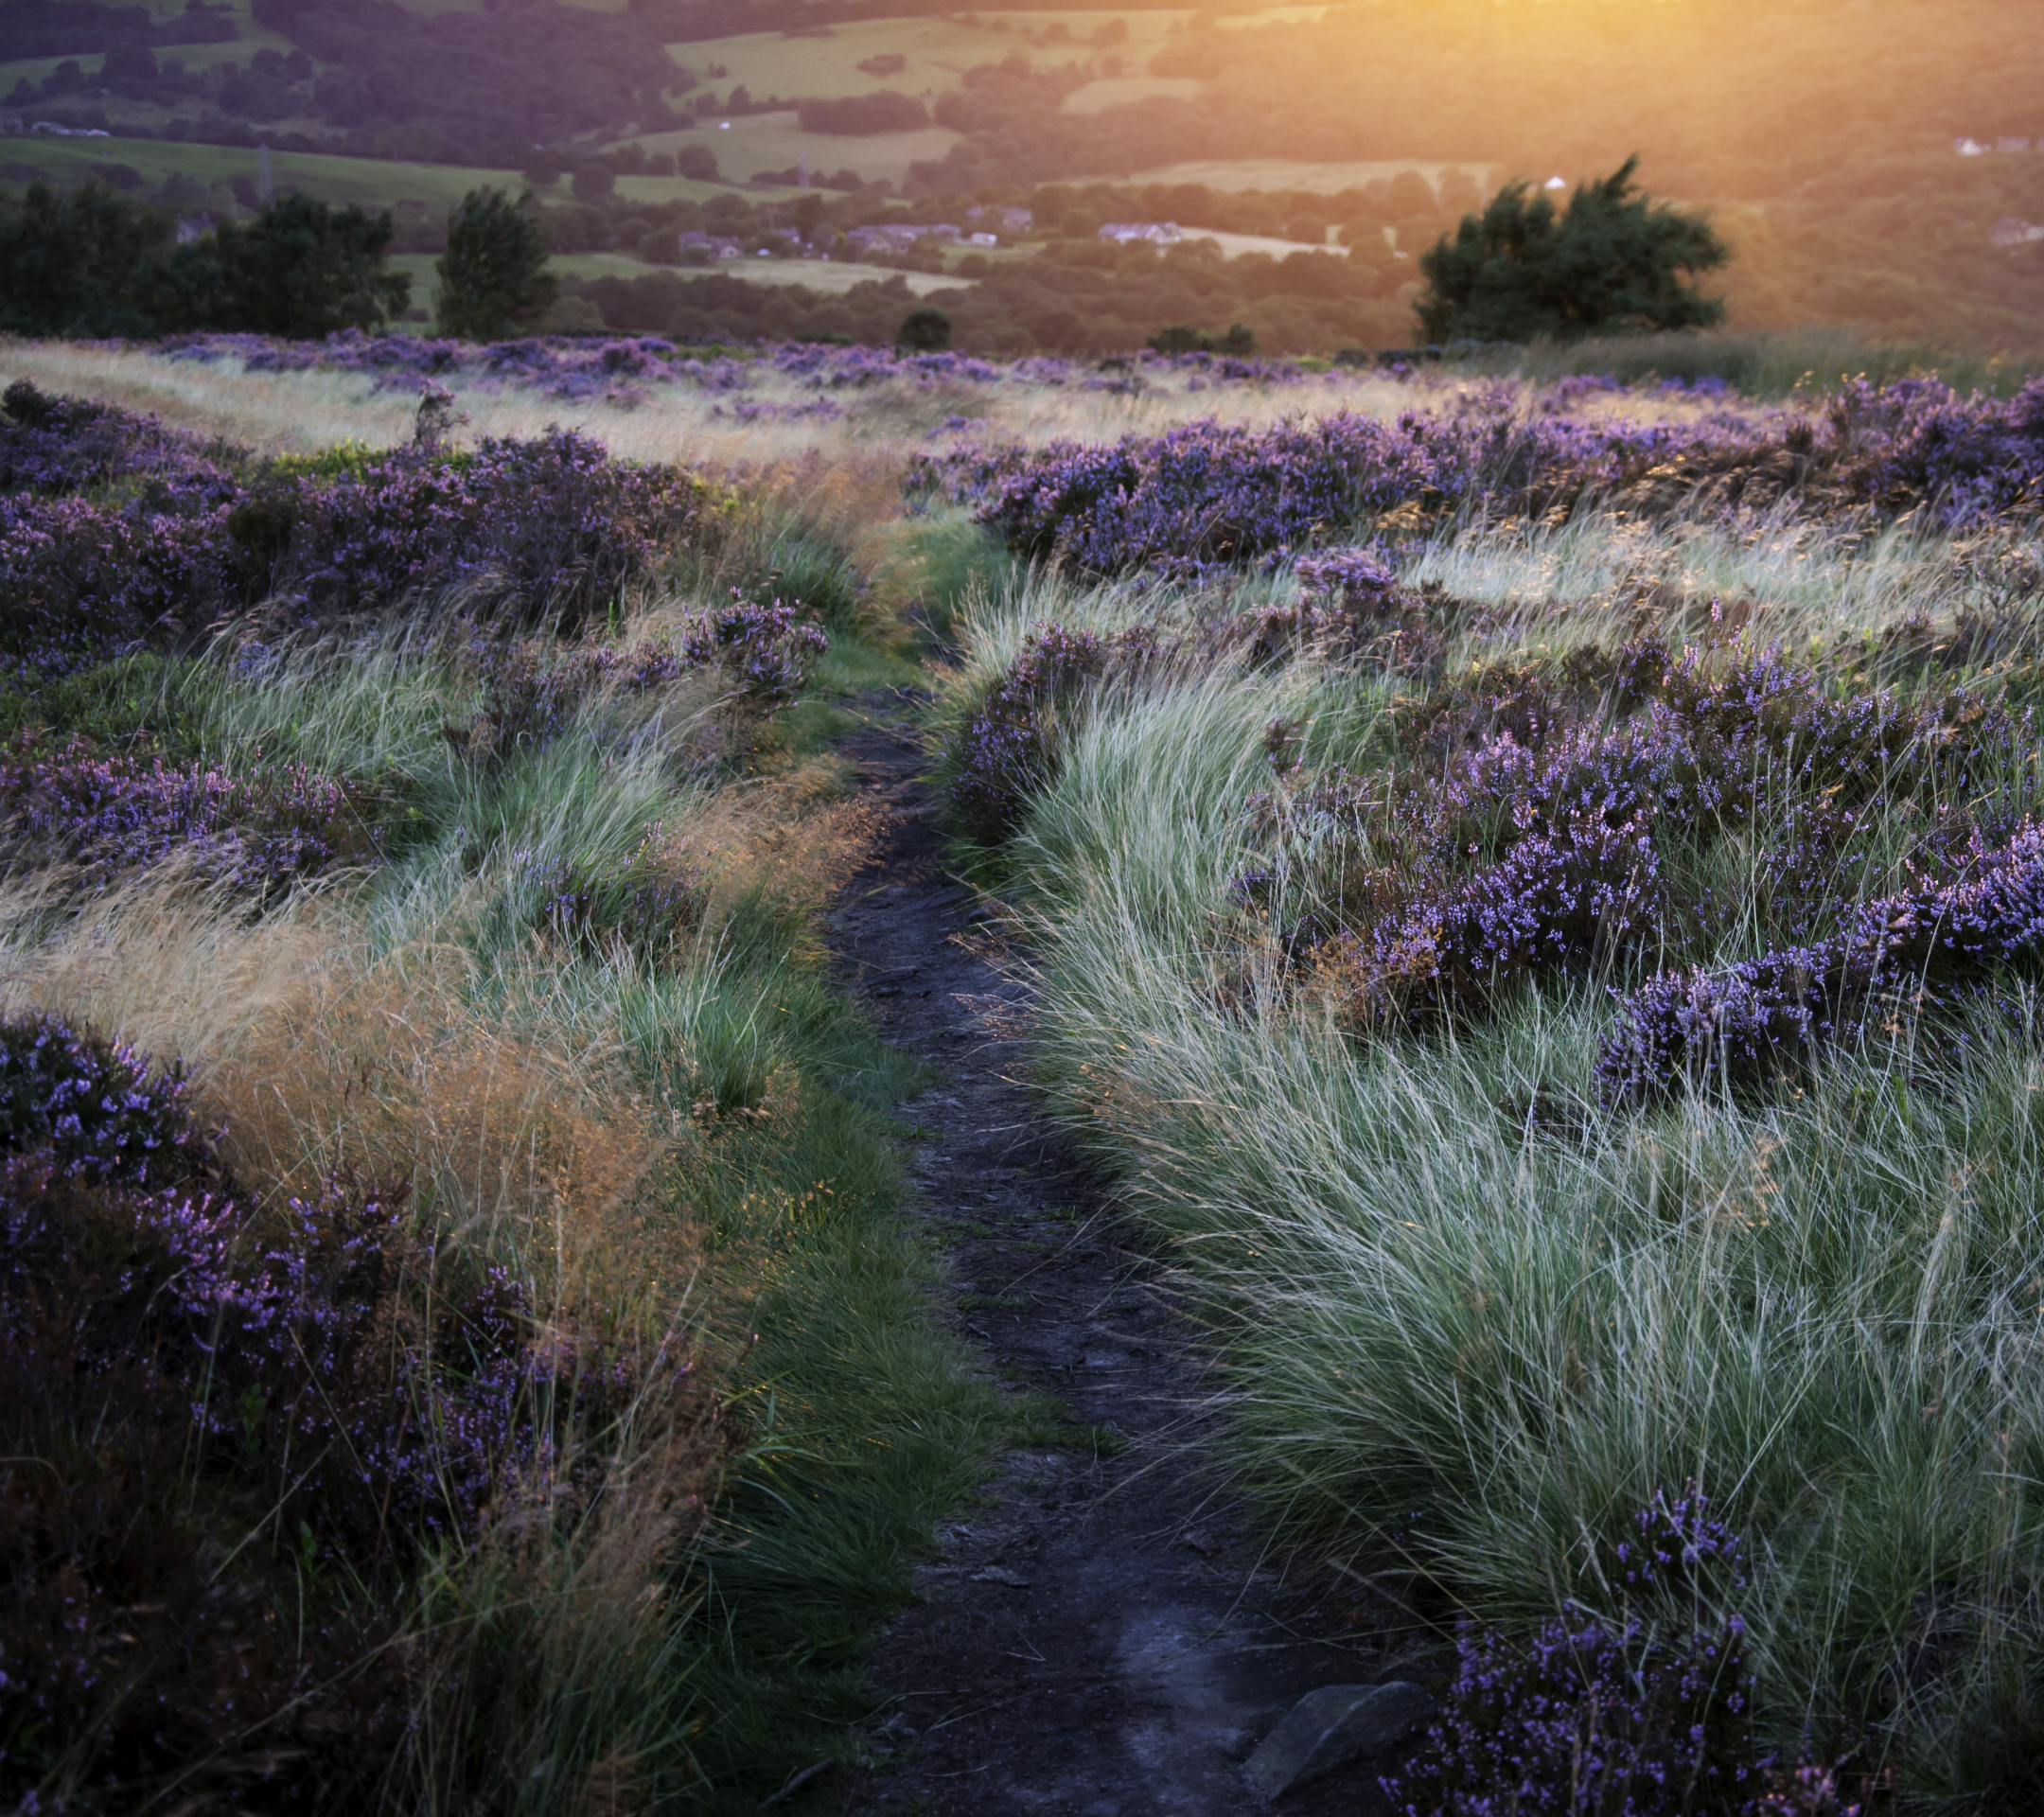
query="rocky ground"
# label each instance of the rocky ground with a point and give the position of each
(1105, 1634)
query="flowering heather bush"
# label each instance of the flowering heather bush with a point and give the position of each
(581, 369)
(532, 693)
(1647, 1714)
(1007, 749)
(96, 1108)
(1925, 947)
(1205, 497)
(1545, 844)
(550, 529)
(59, 445)
(343, 1391)
(84, 581)
(110, 813)
(1591, 1720)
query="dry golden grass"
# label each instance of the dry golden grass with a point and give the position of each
(275, 413)
(319, 1057)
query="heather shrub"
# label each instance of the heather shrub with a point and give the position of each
(1007, 749)
(360, 1391)
(96, 1107)
(1643, 1712)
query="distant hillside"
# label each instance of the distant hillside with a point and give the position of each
(1876, 162)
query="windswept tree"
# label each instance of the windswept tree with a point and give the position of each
(493, 276)
(1614, 260)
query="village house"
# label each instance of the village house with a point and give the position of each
(1157, 233)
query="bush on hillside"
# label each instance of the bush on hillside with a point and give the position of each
(493, 276)
(1614, 260)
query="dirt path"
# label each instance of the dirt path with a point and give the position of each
(1104, 1637)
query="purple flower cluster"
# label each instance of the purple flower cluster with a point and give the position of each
(1647, 1714)
(1593, 1720)
(84, 581)
(547, 529)
(1205, 497)
(550, 528)
(63, 445)
(532, 693)
(285, 1351)
(111, 813)
(1008, 749)
(1543, 845)
(1974, 459)
(1895, 955)
(96, 1107)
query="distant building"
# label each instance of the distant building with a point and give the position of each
(52, 130)
(982, 239)
(1156, 232)
(1556, 182)
(2013, 232)
(193, 228)
(1014, 220)
(887, 237)
(1969, 147)
(715, 245)
(2013, 145)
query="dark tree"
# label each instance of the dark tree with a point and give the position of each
(925, 332)
(87, 264)
(593, 181)
(1615, 260)
(303, 270)
(493, 276)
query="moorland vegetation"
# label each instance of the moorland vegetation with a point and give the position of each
(1532, 891)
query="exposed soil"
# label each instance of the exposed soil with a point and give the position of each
(1105, 1635)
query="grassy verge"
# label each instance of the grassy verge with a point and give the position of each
(505, 957)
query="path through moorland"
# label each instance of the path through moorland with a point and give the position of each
(1104, 1635)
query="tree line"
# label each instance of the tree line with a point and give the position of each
(95, 263)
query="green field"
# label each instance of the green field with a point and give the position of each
(755, 142)
(368, 181)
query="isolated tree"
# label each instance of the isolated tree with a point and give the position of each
(925, 331)
(493, 276)
(303, 270)
(1615, 260)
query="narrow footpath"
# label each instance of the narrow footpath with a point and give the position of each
(1103, 1636)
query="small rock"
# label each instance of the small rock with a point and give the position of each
(1201, 1542)
(1102, 1808)
(1000, 1573)
(1328, 1728)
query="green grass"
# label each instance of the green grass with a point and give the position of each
(372, 183)
(1772, 365)
(1471, 1349)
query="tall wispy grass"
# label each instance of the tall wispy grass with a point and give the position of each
(1474, 1319)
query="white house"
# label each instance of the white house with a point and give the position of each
(1157, 233)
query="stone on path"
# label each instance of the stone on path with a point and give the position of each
(1328, 1728)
